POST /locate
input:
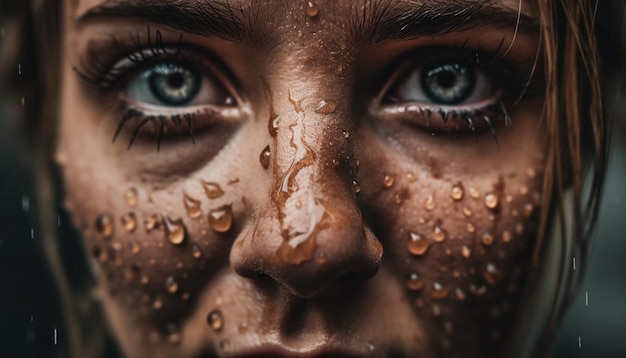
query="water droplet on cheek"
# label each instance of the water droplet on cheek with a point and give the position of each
(152, 222)
(192, 206)
(171, 285)
(470, 228)
(174, 230)
(465, 251)
(135, 248)
(173, 336)
(414, 283)
(487, 239)
(460, 295)
(457, 192)
(212, 190)
(220, 220)
(429, 204)
(264, 158)
(215, 319)
(356, 187)
(129, 222)
(388, 181)
(225, 346)
(491, 201)
(439, 234)
(195, 252)
(417, 245)
(346, 134)
(492, 275)
(439, 292)
(130, 196)
(325, 107)
(104, 225)
(506, 236)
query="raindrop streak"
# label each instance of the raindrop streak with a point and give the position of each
(32, 233)
(457, 192)
(129, 221)
(264, 158)
(212, 190)
(25, 203)
(579, 342)
(152, 222)
(438, 234)
(487, 239)
(192, 206)
(312, 10)
(220, 220)
(130, 196)
(586, 298)
(55, 336)
(417, 245)
(414, 283)
(492, 275)
(356, 187)
(171, 285)
(574, 263)
(104, 225)
(491, 201)
(215, 319)
(325, 107)
(429, 204)
(174, 230)
(388, 181)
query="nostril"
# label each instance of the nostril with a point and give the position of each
(351, 277)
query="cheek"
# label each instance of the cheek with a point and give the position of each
(461, 246)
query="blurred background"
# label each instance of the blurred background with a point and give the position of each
(30, 319)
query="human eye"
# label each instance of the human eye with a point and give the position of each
(452, 90)
(162, 90)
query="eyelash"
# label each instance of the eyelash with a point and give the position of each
(105, 78)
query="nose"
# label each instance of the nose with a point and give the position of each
(310, 231)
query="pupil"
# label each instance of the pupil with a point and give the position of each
(446, 79)
(176, 80)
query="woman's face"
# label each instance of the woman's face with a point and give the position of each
(298, 178)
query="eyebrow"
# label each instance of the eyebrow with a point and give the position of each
(375, 22)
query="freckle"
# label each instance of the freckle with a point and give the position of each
(264, 158)
(491, 201)
(417, 245)
(129, 221)
(523, 190)
(134, 247)
(215, 319)
(116, 245)
(356, 187)
(157, 304)
(159, 245)
(312, 10)
(487, 239)
(203, 232)
(195, 252)
(528, 210)
(439, 291)
(128, 276)
(470, 227)
(439, 234)
(152, 222)
(467, 211)
(192, 206)
(429, 204)
(104, 225)
(185, 296)
(410, 177)
(179, 265)
(492, 275)
(460, 295)
(519, 229)
(154, 337)
(388, 181)
(221, 219)
(436, 311)
(456, 274)
(212, 190)
(130, 196)
(152, 262)
(474, 193)
(325, 107)
(465, 251)
(414, 283)
(174, 230)
(171, 285)
(457, 192)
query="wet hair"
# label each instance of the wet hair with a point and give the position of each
(578, 53)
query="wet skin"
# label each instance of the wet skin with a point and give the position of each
(314, 212)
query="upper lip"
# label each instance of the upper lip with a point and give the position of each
(276, 350)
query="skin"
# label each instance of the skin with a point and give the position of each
(343, 288)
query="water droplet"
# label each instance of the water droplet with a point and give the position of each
(523, 190)
(171, 285)
(474, 193)
(491, 201)
(346, 134)
(134, 247)
(492, 275)
(130, 196)
(192, 206)
(356, 187)
(117, 246)
(152, 222)
(438, 234)
(465, 251)
(414, 283)
(448, 327)
(470, 227)
(157, 304)
(174, 230)
(429, 204)
(436, 311)
(508, 198)
(104, 225)
(195, 252)
(388, 181)
(532, 173)
(225, 345)
(478, 291)
(99, 254)
(173, 335)
(519, 229)
(220, 220)
(312, 10)
(145, 279)
(457, 192)
(129, 221)
(439, 291)
(215, 320)
(212, 190)
(264, 158)
(417, 245)
(506, 236)
(410, 177)
(528, 210)
(487, 239)
(467, 211)
(325, 107)
(460, 295)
